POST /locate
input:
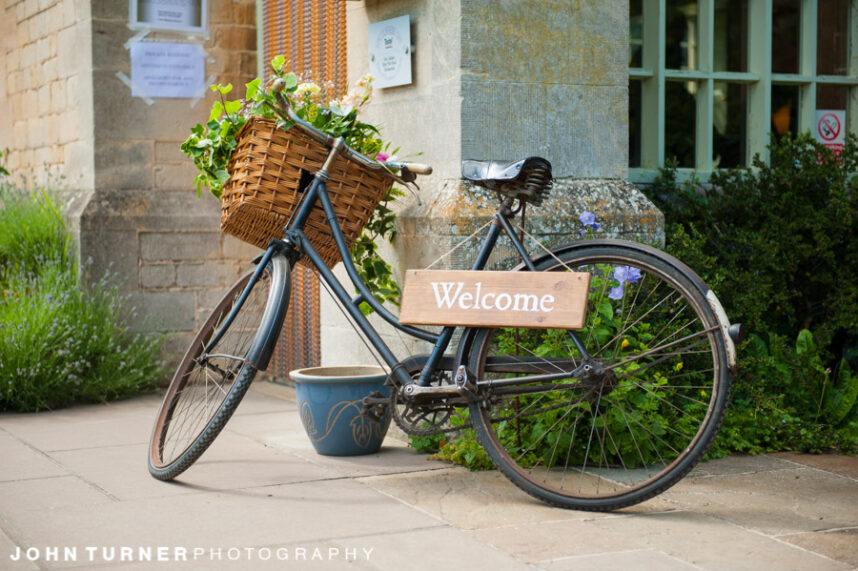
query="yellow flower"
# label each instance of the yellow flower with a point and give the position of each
(678, 366)
(624, 344)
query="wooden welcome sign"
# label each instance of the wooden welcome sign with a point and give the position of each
(495, 299)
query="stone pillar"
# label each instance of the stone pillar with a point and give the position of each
(144, 216)
(505, 79)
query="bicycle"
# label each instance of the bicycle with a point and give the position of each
(595, 419)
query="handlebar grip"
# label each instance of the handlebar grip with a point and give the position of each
(417, 168)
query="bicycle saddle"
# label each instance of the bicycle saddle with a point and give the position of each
(526, 179)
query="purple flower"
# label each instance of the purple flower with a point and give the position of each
(627, 274)
(624, 275)
(616, 293)
(588, 219)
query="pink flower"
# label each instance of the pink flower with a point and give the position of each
(382, 157)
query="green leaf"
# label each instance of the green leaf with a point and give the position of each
(291, 81)
(217, 110)
(252, 89)
(606, 311)
(222, 89)
(804, 344)
(232, 107)
(840, 401)
(277, 62)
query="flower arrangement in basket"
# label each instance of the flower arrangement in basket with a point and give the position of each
(259, 167)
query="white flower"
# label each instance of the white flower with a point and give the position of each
(341, 109)
(308, 87)
(352, 99)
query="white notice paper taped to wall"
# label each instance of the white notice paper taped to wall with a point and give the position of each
(167, 70)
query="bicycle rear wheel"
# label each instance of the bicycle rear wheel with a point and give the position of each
(647, 396)
(208, 386)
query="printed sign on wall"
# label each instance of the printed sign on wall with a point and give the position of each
(390, 52)
(831, 128)
(161, 69)
(180, 15)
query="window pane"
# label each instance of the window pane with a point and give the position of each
(731, 35)
(832, 48)
(832, 96)
(729, 122)
(680, 122)
(636, 33)
(681, 32)
(634, 124)
(785, 35)
(784, 109)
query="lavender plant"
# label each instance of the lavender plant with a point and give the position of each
(61, 341)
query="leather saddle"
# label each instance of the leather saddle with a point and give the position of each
(526, 179)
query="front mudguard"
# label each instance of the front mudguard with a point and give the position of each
(275, 312)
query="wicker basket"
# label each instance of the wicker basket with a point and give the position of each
(269, 171)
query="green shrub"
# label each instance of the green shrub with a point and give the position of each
(460, 447)
(785, 399)
(31, 231)
(777, 241)
(60, 343)
(778, 245)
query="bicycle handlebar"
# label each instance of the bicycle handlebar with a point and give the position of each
(404, 168)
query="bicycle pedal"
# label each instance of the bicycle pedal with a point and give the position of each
(375, 406)
(463, 386)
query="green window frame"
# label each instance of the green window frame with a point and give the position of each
(758, 78)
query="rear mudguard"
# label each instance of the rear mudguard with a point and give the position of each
(547, 259)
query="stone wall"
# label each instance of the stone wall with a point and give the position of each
(127, 185)
(501, 79)
(45, 62)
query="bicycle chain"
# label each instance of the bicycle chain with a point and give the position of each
(409, 428)
(429, 431)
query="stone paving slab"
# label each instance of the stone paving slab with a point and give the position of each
(774, 502)
(845, 466)
(77, 478)
(709, 543)
(838, 544)
(647, 560)
(29, 462)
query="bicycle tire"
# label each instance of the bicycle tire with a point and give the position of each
(202, 396)
(646, 420)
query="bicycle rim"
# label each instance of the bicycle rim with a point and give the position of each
(636, 423)
(207, 388)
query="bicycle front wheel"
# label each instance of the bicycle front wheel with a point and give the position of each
(625, 407)
(208, 385)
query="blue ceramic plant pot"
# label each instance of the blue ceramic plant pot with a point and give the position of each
(330, 404)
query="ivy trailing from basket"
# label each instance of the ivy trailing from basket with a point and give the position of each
(210, 146)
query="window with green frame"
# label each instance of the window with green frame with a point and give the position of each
(711, 80)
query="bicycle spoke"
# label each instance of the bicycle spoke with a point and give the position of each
(614, 434)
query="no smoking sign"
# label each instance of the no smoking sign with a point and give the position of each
(830, 128)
